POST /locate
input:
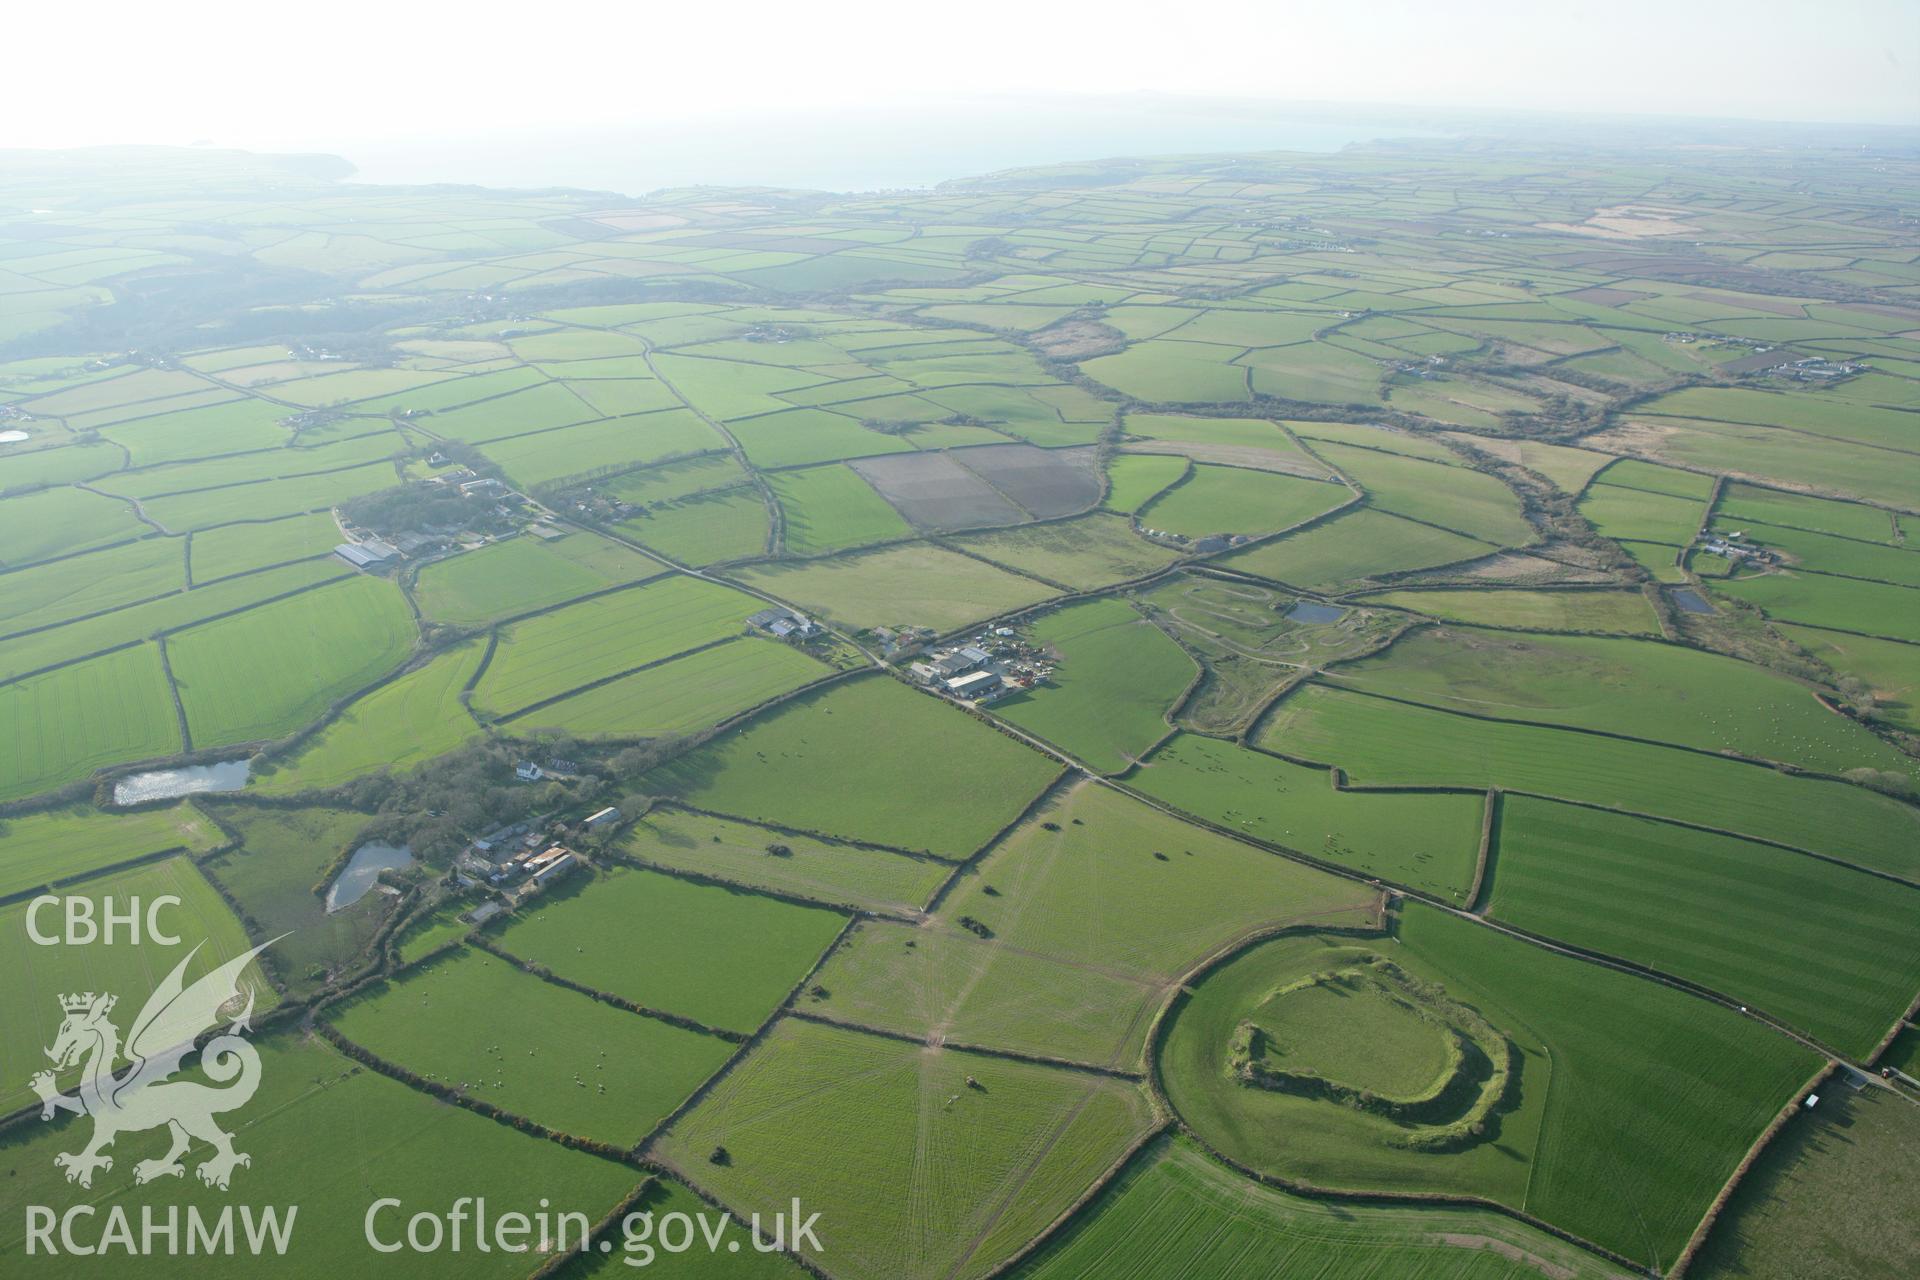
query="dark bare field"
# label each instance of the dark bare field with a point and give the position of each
(1047, 482)
(934, 492)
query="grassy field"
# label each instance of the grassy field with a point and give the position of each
(1744, 502)
(242, 548)
(850, 761)
(831, 508)
(1237, 433)
(548, 655)
(1823, 948)
(726, 524)
(917, 585)
(1890, 669)
(811, 868)
(1381, 743)
(473, 1022)
(681, 696)
(1467, 502)
(61, 726)
(1085, 553)
(523, 574)
(38, 976)
(274, 876)
(1427, 842)
(1638, 688)
(719, 956)
(330, 1136)
(64, 589)
(404, 722)
(35, 651)
(671, 480)
(1117, 679)
(1215, 499)
(1353, 546)
(1873, 608)
(1623, 1085)
(979, 1154)
(1825, 1197)
(59, 522)
(1093, 907)
(235, 675)
(60, 844)
(1177, 1211)
(1608, 612)
(1133, 479)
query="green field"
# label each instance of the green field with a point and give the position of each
(917, 585)
(1354, 546)
(1215, 499)
(524, 574)
(62, 844)
(472, 1022)
(1084, 554)
(236, 676)
(242, 548)
(683, 695)
(1134, 478)
(1622, 1084)
(1426, 842)
(1466, 502)
(59, 522)
(1606, 612)
(1636, 688)
(553, 653)
(727, 524)
(1380, 743)
(721, 957)
(64, 589)
(974, 1170)
(1825, 1197)
(1871, 608)
(1108, 699)
(39, 975)
(851, 761)
(1823, 948)
(832, 508)
(331, 1136)
(405, 722)
(1177, 1211)
(1093, 907)
(824, 870)
(61, 726)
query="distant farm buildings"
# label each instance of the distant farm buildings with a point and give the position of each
(371, 554)
(784, 624)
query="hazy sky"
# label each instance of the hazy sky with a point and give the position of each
(327, 74)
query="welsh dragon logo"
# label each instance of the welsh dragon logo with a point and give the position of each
(143, 1096)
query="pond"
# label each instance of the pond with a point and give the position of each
(165, 784)
(1691, 601)
(362, 872)
(12, 436)
(1315, 615)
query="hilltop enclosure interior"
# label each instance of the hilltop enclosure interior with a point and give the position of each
(1239, 715)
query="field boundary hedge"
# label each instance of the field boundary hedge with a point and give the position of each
(460, 1098)
(646, 1144)
(1720, 1201)
(483, 943)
